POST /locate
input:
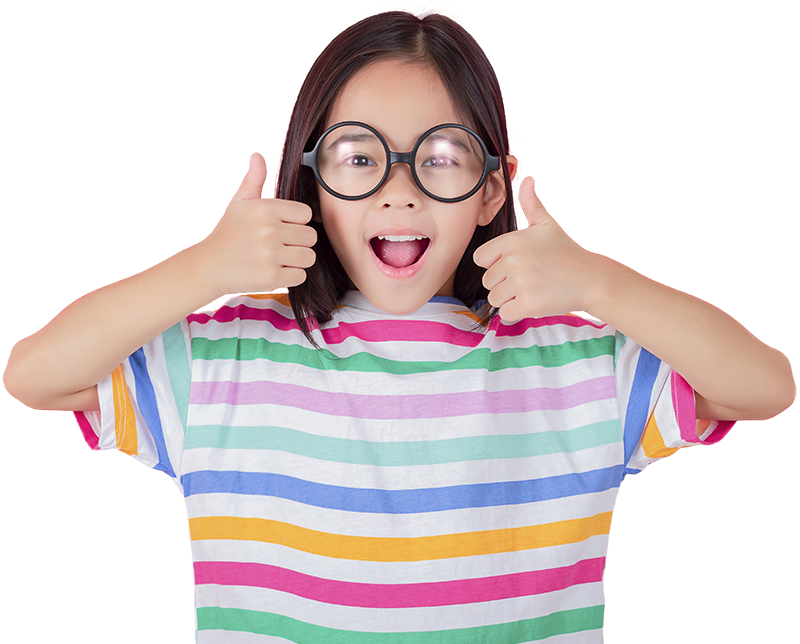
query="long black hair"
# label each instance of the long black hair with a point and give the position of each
(465, 70)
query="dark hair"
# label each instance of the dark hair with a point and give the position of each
(468, 76)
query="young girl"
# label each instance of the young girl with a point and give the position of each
(418, 443)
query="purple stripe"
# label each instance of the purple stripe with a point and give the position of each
(402, 406)
(441, 593)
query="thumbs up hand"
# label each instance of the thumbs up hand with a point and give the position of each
(259, 244)
(537, 271)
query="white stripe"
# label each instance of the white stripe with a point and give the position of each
(408, 477)
(237, 637)
(414, 429)
(437, 382)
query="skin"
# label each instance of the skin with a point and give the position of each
(402, 101)
(534, 272)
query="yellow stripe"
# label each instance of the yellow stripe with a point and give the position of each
(472, 316)
(281, 298)
(124, 416)
(447, 546)
(653, 441)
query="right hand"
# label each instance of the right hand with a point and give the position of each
(259, 245)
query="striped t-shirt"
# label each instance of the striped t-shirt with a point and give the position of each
(417, 479)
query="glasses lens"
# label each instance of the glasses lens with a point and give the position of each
(352, 161)
(449, 162)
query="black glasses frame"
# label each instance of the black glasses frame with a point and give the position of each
(490, 163)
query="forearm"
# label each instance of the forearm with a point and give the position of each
(735, 375)
(92, 336)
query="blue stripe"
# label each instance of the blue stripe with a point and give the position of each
(148, 406)
(401, 501)
(638, 411)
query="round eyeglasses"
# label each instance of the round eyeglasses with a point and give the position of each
(449, 163)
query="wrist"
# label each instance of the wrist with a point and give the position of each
(196, 268)
(611, 284)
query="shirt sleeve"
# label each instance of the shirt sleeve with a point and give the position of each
(657, 408)
(144, 403)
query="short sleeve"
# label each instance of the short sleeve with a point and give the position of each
(144, 403)
(657, 408)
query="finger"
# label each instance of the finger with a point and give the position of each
(253, 182)
(298, 235)
(501, 294)
(534, 211)
(290, 276)
(293, 212)
(487, 254)
(298, 257)
(510, 312)
(493, 276)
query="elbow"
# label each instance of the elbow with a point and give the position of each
(14, 379)
(784, 388)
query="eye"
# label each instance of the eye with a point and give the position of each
(358, 161)
(440, 161)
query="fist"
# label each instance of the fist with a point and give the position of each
(260, 244)
(538, 271)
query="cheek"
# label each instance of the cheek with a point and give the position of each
(338, 226)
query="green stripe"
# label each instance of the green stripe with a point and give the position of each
(383, 454)
(178, 369)
(541, 356)
(249, 621)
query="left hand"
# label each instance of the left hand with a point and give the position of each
(538, 271)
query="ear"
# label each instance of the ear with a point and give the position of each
(495, 194)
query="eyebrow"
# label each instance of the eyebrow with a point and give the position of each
(354, 137)
(363, 137)
(436, 136)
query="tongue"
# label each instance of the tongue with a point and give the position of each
(399, 254)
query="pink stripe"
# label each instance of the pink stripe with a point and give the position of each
(244, 312)
(441, 593)
(88, 433)
(398, 330)
(402, 406)
(518, 328)
(402, 330)
(684, 405)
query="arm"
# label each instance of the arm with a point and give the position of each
(59, 366)
(258, 245)
(735, 376)
(540, 271)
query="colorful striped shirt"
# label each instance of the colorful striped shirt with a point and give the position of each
(417, 479)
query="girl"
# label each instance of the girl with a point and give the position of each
(417, 444)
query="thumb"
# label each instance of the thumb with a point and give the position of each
(253, 182)
(534, 211)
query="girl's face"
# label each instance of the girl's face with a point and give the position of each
(402, 101)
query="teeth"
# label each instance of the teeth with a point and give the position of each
(401, 238)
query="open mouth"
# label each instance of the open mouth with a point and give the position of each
(399, 251)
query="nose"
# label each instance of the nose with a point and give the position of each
(400, 178)
(399, 189)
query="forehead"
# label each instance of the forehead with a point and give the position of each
(401, 100)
